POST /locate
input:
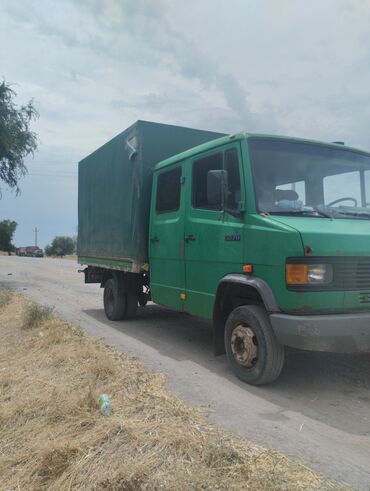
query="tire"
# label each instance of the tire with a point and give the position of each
(117, 304)
(254, 354)
(131, 306)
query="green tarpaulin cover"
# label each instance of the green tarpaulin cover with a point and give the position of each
(114, 189)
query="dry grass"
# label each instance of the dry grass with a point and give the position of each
(70, 257)
(52, 437)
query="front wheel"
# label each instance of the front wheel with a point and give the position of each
(254, 354)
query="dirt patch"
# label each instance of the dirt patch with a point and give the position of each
(53, 436)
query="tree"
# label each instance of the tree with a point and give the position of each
(61, 246)
(48, 250)
(7, 229)
(16, 139)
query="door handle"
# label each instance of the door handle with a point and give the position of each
(154, 240)
(189, 238)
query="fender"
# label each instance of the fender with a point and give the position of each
(128, 282)
(258, 284)
(221, 312)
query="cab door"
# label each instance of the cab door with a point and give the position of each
(166, 237)
(213, 237)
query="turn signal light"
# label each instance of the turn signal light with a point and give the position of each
(247, 268)
(309, 274)
(297, 274)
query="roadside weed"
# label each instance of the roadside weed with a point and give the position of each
(4, 297)
(35, 314)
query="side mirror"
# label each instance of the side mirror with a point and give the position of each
(216, 186)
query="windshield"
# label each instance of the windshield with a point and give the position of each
(310, 179)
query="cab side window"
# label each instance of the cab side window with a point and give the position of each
(168, 191)
(201, 168)
(228, 161)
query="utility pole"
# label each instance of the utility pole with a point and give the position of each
(36, 236)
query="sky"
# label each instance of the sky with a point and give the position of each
(93, 68)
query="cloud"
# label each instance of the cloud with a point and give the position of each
(141, 32)
(276, 67)
(149, 22)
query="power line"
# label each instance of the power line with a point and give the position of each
(61, 162)
(53, 171)
(52, 175)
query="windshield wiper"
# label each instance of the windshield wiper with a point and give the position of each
(302, 213)
(358, 214)
(323, 214)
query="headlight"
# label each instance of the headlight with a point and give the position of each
(309, 274)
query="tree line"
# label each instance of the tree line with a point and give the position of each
(60, 246)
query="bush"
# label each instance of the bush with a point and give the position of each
(48, 250)
(35, 314)
(61, 246)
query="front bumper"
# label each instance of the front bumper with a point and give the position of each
(342, 333)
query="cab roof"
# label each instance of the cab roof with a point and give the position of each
(245, 136)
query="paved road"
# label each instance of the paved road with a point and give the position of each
(318, 411)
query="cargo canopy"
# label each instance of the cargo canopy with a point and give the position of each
(114, 190)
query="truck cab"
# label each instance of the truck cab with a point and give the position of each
(269, 237)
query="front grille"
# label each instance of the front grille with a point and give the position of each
(364, 297)
(349, 273)
(352, 273)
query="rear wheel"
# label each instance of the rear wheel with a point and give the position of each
(254, 354)
(131, 306)
(117, 304)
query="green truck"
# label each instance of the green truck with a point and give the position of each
(267, 236)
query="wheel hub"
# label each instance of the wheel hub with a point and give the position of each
(244, 346)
